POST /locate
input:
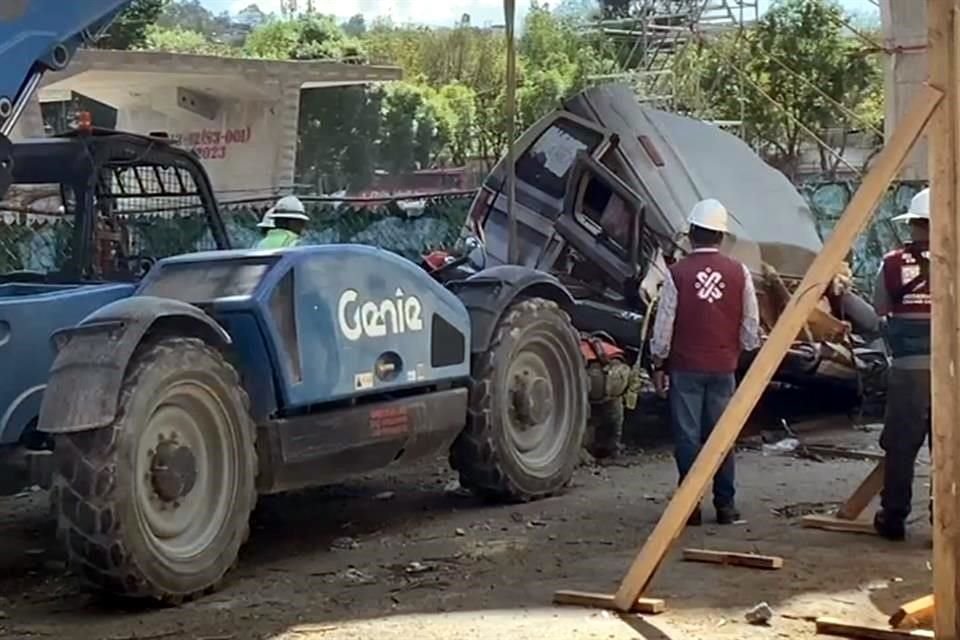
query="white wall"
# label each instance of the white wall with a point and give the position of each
(239, 149)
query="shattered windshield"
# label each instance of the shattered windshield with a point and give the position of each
(547, 163)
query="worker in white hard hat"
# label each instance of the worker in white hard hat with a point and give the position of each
(902, 298)
(707, 315)
(289, 218)
(266, 223)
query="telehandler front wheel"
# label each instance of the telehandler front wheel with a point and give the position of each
(157, 505)
(528, 407)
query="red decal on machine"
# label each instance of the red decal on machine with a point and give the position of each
(389, 422)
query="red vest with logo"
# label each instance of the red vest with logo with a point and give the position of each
(706, 330)
(906, 274)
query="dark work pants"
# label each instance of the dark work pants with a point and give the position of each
(696, 402)
(906, 425)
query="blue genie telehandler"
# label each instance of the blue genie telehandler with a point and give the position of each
(210, 378)
(236, 373)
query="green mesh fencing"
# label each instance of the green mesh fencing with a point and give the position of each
(409, 228)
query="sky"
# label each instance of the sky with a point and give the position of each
(433, 12)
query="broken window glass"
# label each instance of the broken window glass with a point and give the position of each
(547, 163)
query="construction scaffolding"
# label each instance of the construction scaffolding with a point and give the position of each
(655, 32)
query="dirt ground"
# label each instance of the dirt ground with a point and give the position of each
(405, 555)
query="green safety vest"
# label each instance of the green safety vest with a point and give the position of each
(278, 239)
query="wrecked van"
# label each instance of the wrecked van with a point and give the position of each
(603, 189)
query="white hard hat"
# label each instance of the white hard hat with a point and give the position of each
(267, 221)
(919, 208)
(709, 214)
(289, 207)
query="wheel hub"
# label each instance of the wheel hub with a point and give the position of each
(532, 399)
(173, 470)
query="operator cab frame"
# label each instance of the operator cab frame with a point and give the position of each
(106, 180)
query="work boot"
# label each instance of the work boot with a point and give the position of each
(727, 515)
(695, 519)
(889, 528)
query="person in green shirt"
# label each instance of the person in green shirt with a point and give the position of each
(266, 223)
(289, 218)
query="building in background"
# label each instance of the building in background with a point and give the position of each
(239, 115)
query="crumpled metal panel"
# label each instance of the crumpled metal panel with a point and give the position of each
(769, 218)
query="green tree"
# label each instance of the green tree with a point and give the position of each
(557, 60)
(129, 30)
(398, 148)
(784, 77)
(308, 37)
(356, 26)
(180, 40)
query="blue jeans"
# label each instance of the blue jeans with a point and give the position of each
(696, 402)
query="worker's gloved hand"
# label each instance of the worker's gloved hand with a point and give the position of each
(842, 281)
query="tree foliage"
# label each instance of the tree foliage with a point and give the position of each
(129, 30)
(311, 37)
(784, 78)
(797, 72)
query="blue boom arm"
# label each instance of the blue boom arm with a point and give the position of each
(37, 36)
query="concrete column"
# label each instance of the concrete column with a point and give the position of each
(905, 36)
(287, 113)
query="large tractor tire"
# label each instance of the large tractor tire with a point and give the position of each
(528, 407)
(157, 505)
(605, 429)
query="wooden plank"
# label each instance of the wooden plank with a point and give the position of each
(834, 627)
(864, 494)
(944, 266)
(833, 523)
(833, 451)
(605, 601)
(916, 613)
(804, 299)
(751, 560)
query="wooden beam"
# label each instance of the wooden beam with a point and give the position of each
(804, 299)
(605, 601)
(750, 560)
(917, 613)
(943, 137)
(864, 494)
(834, 627)
(833, 523)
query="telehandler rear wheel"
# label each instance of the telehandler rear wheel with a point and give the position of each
(528, 407)
(157, 504)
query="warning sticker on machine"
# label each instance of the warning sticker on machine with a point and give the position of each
(363, 381)
(389, 422)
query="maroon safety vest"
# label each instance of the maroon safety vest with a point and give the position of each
(906, 274)
(706, 330)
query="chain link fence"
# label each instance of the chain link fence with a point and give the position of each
(829, 199)
(42, 242)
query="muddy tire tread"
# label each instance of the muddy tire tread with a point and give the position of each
(475, 454)
(86, 490)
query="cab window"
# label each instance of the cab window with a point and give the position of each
(547, 162)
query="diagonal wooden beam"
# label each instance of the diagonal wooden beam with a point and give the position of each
(803, 301)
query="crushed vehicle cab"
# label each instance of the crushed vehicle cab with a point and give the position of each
(603, 189)
(91, 213)
(236, 373)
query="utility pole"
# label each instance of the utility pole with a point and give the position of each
(513, 251)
